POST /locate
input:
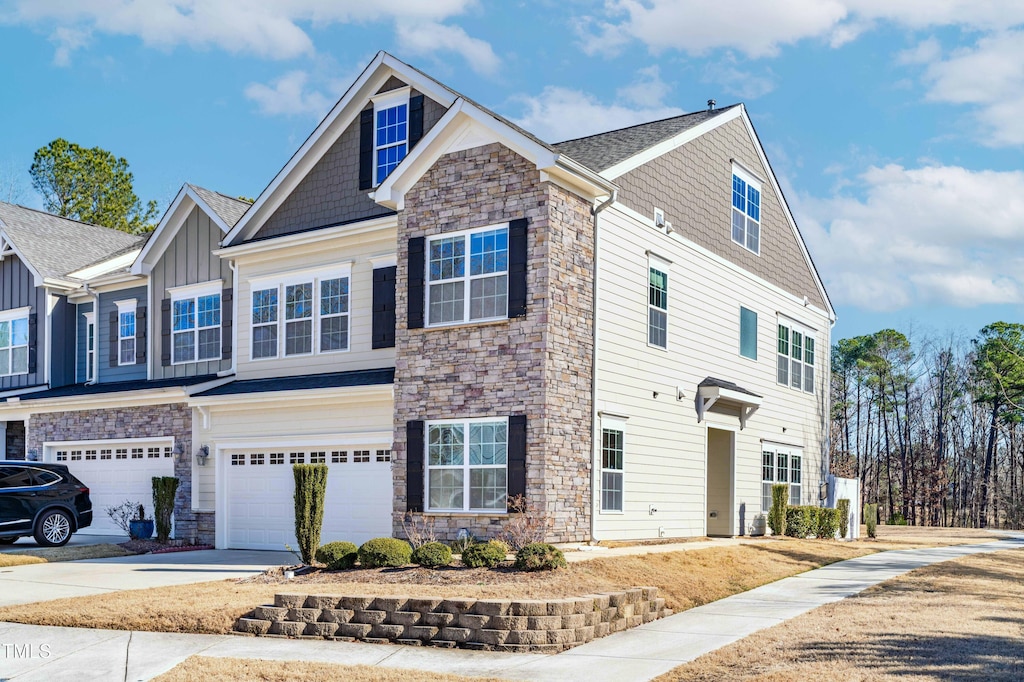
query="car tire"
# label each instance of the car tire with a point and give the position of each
(53, 528)
(9, 541)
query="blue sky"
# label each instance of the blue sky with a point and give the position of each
(896, 128)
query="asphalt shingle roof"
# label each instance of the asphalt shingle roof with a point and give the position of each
(604, 150)
(722, 383)
(362, 377)
(229, 209)
(56, 246)
(115, 387)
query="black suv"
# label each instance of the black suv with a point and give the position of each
(41, 500)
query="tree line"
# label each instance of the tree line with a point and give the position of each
(933, 427)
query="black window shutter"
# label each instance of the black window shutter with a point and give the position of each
(115, 340)
(32, 343)
(417, 251)
(414, 466)
(366, 149)
(227, 298)
(140, 335)
(384, 307)
(517, 268)
(517, 455)
(165, 332)
(415, 120)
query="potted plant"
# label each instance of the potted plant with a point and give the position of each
(141, 528)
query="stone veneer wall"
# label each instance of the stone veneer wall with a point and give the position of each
(540, 626)
(149, 421)
(16, 440)
(537, 365)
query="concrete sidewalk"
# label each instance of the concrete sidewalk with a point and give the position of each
(52, 654)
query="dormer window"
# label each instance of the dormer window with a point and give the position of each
(390, 132)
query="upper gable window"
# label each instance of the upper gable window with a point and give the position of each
(14, 342)
(746, 210)
(196, 323)
(390, 132)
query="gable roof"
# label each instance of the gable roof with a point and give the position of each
(604, 150)
(53, 247)
(228, 209)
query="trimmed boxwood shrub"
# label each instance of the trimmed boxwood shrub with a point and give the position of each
(801, 521)
(871, 519)
(381, 552)
(777, 513)
(539, 556)
(484, 554)
(432, 554)
(843, 509)
(338, 556)
(828, 523)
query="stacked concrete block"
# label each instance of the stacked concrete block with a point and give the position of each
(534, 625)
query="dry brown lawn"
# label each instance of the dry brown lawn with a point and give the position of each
(957, 620)
(231, 669)
(18, 560)
(73, 553)
(685, 579)
(909, 537)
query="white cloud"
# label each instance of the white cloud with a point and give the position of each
(429, 37)
(759, 29)
(288, 96)
(559, 113)
(933, 234)
(925, 52)
(266, 28)
(989, 76)
(68, 40)
(726, 74)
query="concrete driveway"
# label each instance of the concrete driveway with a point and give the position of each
(77, 540)
(42, 582)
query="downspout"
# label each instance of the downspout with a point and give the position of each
(234, 321)
(95, 335)
(596, 454)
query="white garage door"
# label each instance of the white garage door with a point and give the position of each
(115, 472)
(260, 496)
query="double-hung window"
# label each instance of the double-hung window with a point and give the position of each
(14, 342)
(467, 276)
(612, 453)
(746, 210)
(195, 323)
(657, 302)
(309, 313)
(780, 465)
(126, 332)
(795, 357)
(390, 132)
(467, 465)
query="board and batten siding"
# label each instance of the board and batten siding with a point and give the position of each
(108, 305)
(63, 333)
(187, 260)
(665, 446)
(273, 425)
(18, 290)
(321, 256)
(80, 342)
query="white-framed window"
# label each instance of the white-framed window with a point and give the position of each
(90, 345)
(195, 323)
(310, 313)
(657, 302)
(746, 210)
(14, 341)
(612, 464)
(390, 132)
(795, 356)
(467, 275)
(126, 332)
(780, 465)
(467, 465)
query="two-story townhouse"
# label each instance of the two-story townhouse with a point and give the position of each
(145, 330)
(450, 312)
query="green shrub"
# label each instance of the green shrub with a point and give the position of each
(310, 490)
(484, 554)
(539, 556)
(896, 519)
(338, 556)
(843, 509)
(777, 514)
(164, 488)
(432, 554)
(801, 521)
(871, 519)
(828, 522)
(381, 552)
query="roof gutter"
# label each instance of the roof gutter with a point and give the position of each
(595, 441)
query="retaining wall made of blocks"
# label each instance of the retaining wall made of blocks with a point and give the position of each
(539, 626)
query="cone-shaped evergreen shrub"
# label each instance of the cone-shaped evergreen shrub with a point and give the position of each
(777, 514)
(843, 507)
(310, 490)
(164, 489)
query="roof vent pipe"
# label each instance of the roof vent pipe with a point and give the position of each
(711, 105)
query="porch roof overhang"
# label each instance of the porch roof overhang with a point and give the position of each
(712, 390)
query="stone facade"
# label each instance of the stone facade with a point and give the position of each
(537, 365)
(15, 440)
(150, 421)
(536, 625)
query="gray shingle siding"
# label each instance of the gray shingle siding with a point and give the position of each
(17, 290)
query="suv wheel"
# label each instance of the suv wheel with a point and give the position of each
(9, 541)
(53, 529)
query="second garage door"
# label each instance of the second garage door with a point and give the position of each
(260, 495)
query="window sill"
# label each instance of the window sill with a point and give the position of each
(473, 323)
(474, 514)
(656, 346)
(611, 512)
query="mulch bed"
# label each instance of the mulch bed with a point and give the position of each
(408, 575)
(154, 547)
